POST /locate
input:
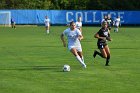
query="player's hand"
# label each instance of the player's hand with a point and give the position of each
(79, 39)
(108, 38)
(103, 38)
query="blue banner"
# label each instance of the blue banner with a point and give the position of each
(66, 16)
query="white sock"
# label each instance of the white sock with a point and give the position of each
(82, 59)
(84, 62)
(117, 29)
(47, 31)
(81, 62)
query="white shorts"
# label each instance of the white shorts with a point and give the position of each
(47, 25)
(116, 25)
(78, 48)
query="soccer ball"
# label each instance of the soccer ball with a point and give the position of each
(66, 68)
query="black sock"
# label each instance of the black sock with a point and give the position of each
(107, 60)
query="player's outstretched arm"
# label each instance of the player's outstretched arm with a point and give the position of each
(63, 40)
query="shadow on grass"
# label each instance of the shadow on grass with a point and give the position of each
(45, 46)
(38, 68)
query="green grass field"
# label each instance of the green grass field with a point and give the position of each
(31, 62)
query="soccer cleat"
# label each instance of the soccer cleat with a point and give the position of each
(95, 53)
(107, 63)
(84, 66)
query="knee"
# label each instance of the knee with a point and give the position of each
(105, 56)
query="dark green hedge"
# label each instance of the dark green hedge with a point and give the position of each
(71, 4)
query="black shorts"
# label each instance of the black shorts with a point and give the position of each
(101, 45)
(12, 22)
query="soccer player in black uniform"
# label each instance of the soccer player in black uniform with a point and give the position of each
(109, 21)
(103, 35)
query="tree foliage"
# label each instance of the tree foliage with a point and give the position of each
(71, 4)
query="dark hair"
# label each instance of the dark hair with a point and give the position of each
(104, 22)
(71, 23)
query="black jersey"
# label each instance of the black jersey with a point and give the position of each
(103, 33)
(109, 22)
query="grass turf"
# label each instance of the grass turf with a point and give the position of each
(31, 62)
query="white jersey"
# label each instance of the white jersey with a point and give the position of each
(117, 22)
(72, 36)
(78, 25)
(47, 22)
(103, 20)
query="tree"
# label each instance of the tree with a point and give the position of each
(71, 4)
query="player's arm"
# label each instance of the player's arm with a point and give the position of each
(108, 37)
(49, 22)
(112, 22)
(63, 40)
(99, 37)
(81, 28)
(80, 37)
(120, 24)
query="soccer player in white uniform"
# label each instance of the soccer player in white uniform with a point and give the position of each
(104, 19)
(47, 24)
(79, 24)
(74, 37)
(116, 24)
(109, 22)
